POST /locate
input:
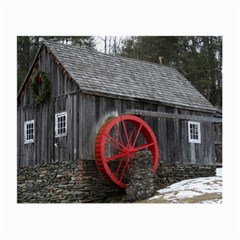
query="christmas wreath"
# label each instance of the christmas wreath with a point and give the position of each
(40, 87)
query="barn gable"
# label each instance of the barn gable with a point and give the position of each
(60, 79)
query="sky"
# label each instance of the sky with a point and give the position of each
(100, 41)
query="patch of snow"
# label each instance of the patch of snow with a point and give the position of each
(202, 185)
(187, 194)
(193, 187)
(170, 196)
(219, 172)
(155, 197)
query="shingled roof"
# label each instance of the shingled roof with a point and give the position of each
(126, 77)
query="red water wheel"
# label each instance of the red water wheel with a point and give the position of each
(117, 142)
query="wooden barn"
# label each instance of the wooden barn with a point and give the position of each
(70, 93)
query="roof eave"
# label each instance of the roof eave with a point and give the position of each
(186, 107)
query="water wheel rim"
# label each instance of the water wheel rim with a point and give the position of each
(125, 149)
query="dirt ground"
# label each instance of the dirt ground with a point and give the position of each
(211, 197)
(202, 190)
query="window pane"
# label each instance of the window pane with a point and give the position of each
(61, 124)
(194, 134)
(28, 131)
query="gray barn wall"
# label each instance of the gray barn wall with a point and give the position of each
(86, 114)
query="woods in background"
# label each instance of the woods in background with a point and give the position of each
(198, 58)
(27, 47)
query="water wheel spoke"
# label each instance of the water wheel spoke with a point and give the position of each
(118, 168)
(119, 134)
(114, 140)
(124, 169)
(125, 131)
(130, 136)
(116, 156)
(144, 146)
(136, 137)
(115, 146)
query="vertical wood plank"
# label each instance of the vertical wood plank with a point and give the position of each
(57, 80)
(42, 161)
(36, 113)
(77, 129)
(193, 156)
(184, 145)
(80, 126)
(162, 136)
(48, 60)
(19, 136)
(118, 106)
(69, 124)
(42, 60)
(23, 152)
(177, 139)
(56, 149)
(74, 123)
(212, 144)
(84, 124)
(170, 137)
(50, 131)
(88, 134)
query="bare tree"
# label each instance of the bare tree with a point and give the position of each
(112, 44)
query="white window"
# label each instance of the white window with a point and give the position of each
(60, 124)
(29, 131)
(194, 132)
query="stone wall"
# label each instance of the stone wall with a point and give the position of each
(80, 181)
(64, 182)
(141, 183)
(168, 173)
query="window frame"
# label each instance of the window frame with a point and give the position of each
(57, 116)
(190, 139)
(26, 123)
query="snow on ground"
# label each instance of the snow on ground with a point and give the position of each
(197, 190)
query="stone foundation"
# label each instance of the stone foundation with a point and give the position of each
(64, 182)
(81, 181)
(168, 173)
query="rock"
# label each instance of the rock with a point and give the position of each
(141, 178)
(82, 182)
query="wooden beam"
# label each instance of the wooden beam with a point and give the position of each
(173, 116)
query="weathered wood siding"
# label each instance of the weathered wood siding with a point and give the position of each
(43, 149)
(172, 134)
(87, 113)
